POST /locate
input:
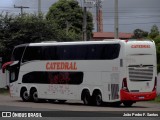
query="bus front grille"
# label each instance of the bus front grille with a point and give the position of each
(140, 73)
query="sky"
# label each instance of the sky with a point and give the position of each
(133, 14)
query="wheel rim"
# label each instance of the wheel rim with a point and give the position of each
(35, 96)
(25, 95)
(86, 100)
(98, 100)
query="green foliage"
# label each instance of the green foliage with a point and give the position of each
(157, 40)
(62, 23)
(29, 28)
(68, 16)
(4, 91)
(156, 100)
(154, 32)
(138, 34)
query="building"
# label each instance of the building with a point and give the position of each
(110, 35)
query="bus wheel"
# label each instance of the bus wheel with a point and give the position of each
(24, 95)
(86, 98)
(62, 101)
(116, 104)
(34, 95)
(128, 103)
(97, 99)
(51, 100)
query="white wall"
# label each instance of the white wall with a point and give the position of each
(4, 81)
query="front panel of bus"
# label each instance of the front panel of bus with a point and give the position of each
(14, 69)
(140, 81)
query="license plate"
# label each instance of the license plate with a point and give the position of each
(141, 97)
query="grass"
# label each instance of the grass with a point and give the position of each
(156, 100)
(4, 91)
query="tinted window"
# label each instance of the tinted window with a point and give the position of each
(110, 51)
(72, 52)
(82, 52)
(17, 53)
(32, 53)
(68, 52)
(49, 53)
(53, 77)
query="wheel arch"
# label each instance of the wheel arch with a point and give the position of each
(22, 89)
(96, 90)
(33, 88)
(84, 91)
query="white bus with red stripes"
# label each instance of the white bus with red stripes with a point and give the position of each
(114, 71)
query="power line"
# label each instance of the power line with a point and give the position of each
(134, 23)
(149, 17)
(21, 7)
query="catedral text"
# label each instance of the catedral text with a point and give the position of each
(140, 46)
(61, 66)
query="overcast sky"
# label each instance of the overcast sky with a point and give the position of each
(133, 14)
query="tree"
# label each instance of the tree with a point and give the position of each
(68, 16)
(138, 34)
(29, 28)
(157, 42)
(154, 32)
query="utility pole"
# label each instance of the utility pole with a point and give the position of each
(85, 23)
(116, 24)
(97, 10)
(39, 7)
(87, 4)
(21, 7)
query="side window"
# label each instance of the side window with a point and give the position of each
(49, 53)
(72, 52)
(74, 78)
(17, 53)
(35, 77)
(81, 52)
(67, 52)
(63, 53)
(94, 52)
(32, 53)
(111, 51)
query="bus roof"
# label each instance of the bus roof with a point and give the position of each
(105, 41)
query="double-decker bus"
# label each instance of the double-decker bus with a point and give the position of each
(114, 71)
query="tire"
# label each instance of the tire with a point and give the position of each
(116, 104)
(86, 98)
(97, 99)
(34, 96)
(127, 103)
(62, 101)
(51, 101)
(25, 96)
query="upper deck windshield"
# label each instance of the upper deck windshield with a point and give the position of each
(17, 53)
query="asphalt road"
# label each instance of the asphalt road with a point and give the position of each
(76, 109)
